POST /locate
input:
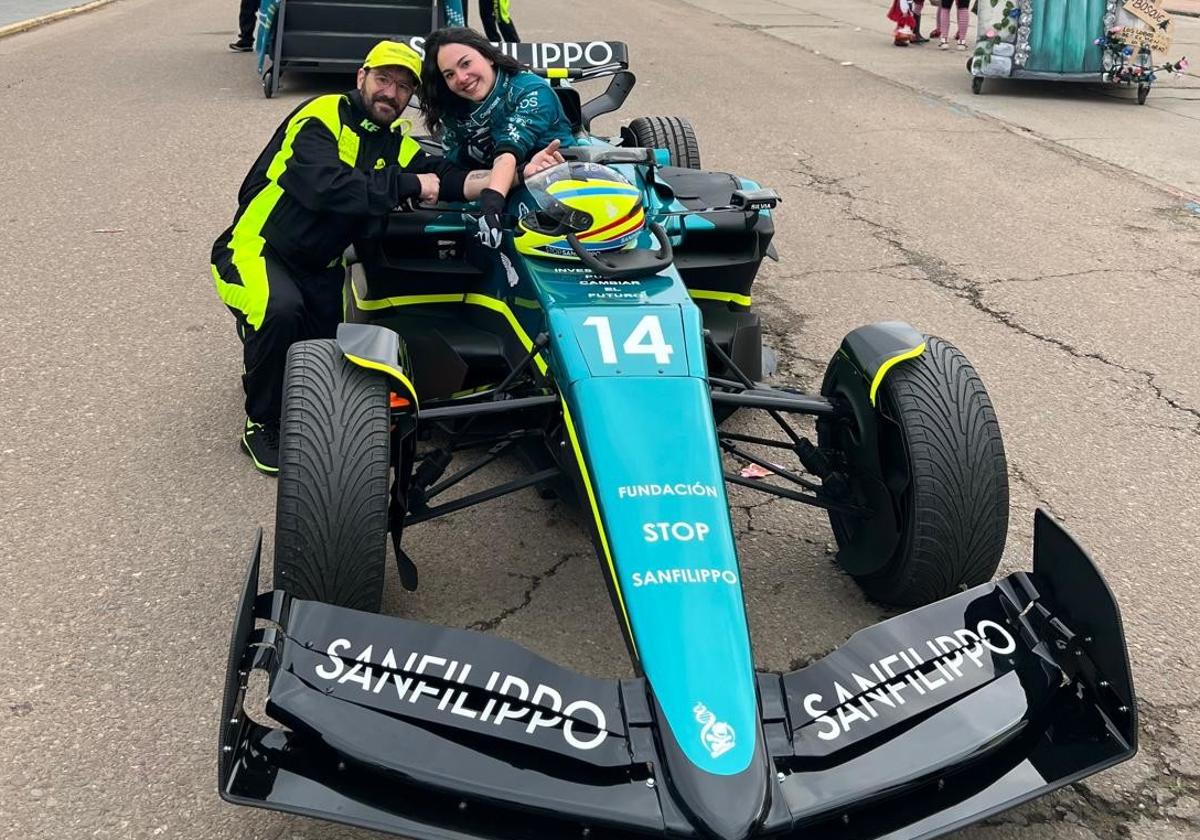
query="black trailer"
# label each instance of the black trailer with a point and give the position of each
(332, 36)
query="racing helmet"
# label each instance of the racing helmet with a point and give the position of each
(595, 202)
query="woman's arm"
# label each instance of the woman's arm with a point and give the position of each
(504, 173)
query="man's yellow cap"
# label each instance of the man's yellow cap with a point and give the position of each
(394, 54)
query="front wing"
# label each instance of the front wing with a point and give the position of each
(914, 727)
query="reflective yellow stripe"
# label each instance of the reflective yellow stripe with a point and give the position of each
(587, 485)
(250, 296)
(390, 371)
(408, 149)
(728, 297)
(892, 362)
(246, 242)
(556, 72)
(348, 145)
(502, 9)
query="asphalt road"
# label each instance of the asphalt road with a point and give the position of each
(126, 510)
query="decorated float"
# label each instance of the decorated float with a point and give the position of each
(1122, 42)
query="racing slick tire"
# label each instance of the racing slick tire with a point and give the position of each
(942, 458)
(675, 134)
(331, 514)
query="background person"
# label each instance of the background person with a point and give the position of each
(491, 111)
(247, 12)
(943, 28)
(496, 17)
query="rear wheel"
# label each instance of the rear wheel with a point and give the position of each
(942, 462)
(977, 84)
(331, 516)
(675, 134)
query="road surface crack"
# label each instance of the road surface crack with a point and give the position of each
(943, 275)
(535, 582)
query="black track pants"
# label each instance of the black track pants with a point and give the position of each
(275, 306)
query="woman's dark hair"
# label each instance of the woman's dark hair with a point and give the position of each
(437, 100)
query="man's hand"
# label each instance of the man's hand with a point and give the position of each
(491, 203)
(543, 159)
(430, 185)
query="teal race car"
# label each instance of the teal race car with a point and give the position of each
(604, 344)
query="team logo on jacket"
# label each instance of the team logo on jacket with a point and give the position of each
(717, 736)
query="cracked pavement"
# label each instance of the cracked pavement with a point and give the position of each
(1064, 267)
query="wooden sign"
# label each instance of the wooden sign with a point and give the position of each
(1159, 42)
(1150, 12)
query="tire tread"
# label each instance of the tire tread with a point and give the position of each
(959, 514)
(332, 505)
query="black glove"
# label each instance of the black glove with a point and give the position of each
(490, 231)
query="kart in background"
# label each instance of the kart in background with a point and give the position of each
(608, 372)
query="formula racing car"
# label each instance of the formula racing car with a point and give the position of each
(603, 344)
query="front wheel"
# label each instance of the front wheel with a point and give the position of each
(331, 514)
(942, 480)
(977, 85)
(1143, 92)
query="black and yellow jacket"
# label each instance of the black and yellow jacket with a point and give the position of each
(327, 172)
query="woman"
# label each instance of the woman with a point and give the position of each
(491, 111)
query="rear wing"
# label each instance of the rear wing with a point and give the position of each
(570, 59)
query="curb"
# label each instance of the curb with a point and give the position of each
(33, 23)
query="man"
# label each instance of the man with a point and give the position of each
(337, 162)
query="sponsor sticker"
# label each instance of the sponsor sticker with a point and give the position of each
(717, 736)
(657, 577)
(642, 491)
(435, 681)
(856, 700)
(653, 532)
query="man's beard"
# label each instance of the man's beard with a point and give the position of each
(374, 103)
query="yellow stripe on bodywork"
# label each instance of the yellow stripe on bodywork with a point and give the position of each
(556, 72)
(587, 485)
(498, 306)
(373, 304)
(392, 372)
(502, 308)
(892, 362)
(728, 297)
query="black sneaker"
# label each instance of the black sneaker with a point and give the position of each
(242, 45)
(261, 443)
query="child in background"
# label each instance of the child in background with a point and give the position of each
(943, 28)
(906, 14)
(901, 15)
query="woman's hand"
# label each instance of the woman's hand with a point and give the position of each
(543, 159)
(491, 206)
